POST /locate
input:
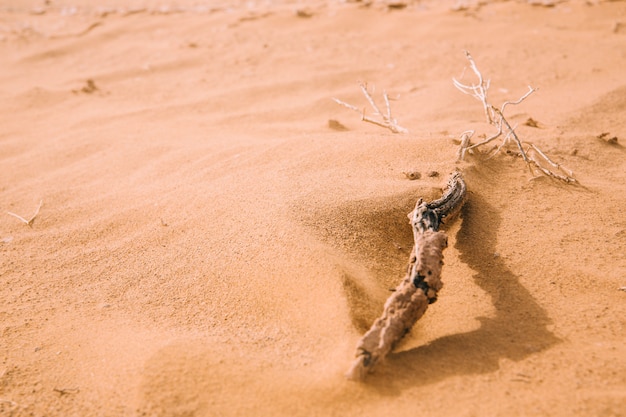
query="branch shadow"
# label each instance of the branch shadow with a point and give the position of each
(518, 329)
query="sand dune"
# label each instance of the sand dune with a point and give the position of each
(208, 245)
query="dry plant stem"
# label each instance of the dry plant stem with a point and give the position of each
(548, 160)
(419, 287)
(495, 117)
(32, 219)
(387, 121)
(478, 91)
(464, 146)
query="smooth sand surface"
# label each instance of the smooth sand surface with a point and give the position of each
(216, 233)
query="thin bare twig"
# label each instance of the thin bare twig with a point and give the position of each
(30, 221)
(466, 137)
(518, 101)
(484, 142)
(10, 402)
(495, 117)
(566, 176)
(387, 121)
(478, 91)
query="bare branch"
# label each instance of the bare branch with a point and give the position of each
(419, 287)
(478, 91)
(568, 174)
(369, 98)
(495, 117)
(350, 106)
(388, 122)
(518, 101)
(465, 141)
(489, 139)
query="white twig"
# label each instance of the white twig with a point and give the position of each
(518, 101)
(350, 106)
(567, 176)
(478, 91)
(495, 117)
(464, 146)
(11, 403)
(387, 121)
(489, 139)
(30, 221)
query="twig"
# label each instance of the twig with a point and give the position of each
(478, 91)
(64, 391)
(419, 287)
(466, 137)
(518, 101)
(30, 221)
(387, 121)
(554, 164)
(5, 401)
(495, 117)
(486, 141)
(77, 34)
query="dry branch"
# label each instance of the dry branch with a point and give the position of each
(533, 156)
(421, 283)
(387, 121)
(30, 221)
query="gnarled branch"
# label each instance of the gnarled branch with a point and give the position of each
(419, 287)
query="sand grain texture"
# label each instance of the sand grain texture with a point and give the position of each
(209, 246)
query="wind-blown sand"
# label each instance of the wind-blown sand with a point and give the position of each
(209, 246)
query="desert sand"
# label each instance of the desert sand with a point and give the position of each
(216, 233)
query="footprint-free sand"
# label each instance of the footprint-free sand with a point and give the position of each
(217, 233)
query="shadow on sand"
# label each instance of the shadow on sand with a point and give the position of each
(518, 329)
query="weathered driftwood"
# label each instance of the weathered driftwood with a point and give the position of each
(420, 285)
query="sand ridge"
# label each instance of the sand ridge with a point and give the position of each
(208, 245)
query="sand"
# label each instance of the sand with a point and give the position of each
(216, 233)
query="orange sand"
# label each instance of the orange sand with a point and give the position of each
(209, 246)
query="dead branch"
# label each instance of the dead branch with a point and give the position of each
(387, 121)
(30, 221)
(464, 146)
(535, 160)
(419, 287)
(478, 91)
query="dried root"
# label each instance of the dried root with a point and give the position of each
(535, 159)
(419, 287)
(387, 121)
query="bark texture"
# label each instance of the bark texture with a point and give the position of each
(419, 287)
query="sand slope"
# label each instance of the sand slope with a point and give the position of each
(209, 246)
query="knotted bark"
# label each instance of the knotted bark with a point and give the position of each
(419, 287)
